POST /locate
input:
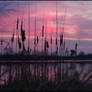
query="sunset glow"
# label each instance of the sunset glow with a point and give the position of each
(77, 23)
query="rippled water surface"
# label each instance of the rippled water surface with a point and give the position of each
(54, 72)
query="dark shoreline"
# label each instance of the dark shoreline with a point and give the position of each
(36, 58)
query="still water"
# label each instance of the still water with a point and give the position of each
(38, 70)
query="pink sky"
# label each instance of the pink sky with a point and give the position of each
(77, 24)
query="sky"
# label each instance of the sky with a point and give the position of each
(77, 23)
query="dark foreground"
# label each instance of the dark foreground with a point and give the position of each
(45, 77)
(36, 57)
(67, 85)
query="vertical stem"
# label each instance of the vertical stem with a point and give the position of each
(16, 42)
(42, 45)
(1, 49)
(51, 44)
(29, 28)
(51, 49)
(35, 38)
(56, 30)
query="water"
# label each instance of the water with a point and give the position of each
(52, 71)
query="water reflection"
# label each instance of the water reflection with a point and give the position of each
(53, 72)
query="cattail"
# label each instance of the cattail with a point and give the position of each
(47, 44)
(43, 31)
(12, 39)
(76, 46)
(17, 23)
(19, 43)
(37, 39)
(56, 40)
(22, 32)
(61, 39)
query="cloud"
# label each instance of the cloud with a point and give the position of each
(86, 24)
(77, 23)
(4, 31)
